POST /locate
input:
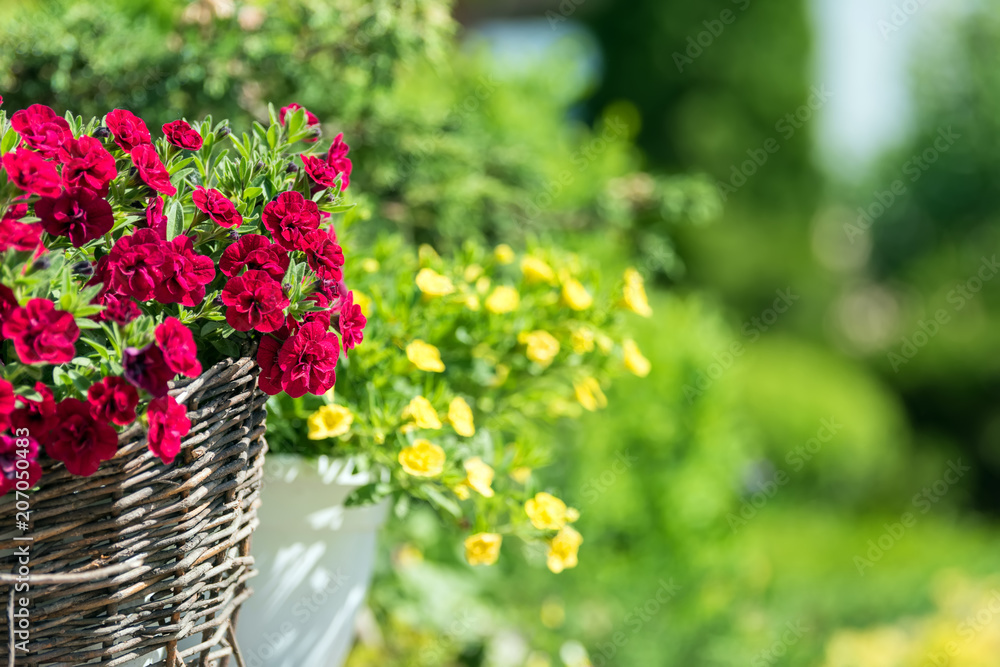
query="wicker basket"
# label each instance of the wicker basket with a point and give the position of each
(143, 556)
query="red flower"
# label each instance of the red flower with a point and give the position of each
(168, 423)
(147, 369)
(324, 255)
(38, 417)
(325, 173)
(254, 251)
(219, 209)
(151, 169)
(155, 219)
(24, 236)
(179, 350)
(134, 264)
(87, 164)
(129, 130)
(41, 333)
(79, 214)
(289, 217)
(311, 118)
(352, 322)
(118, 308)
(31, 173)
(306, 362)
(182, 135)
(113, 400)
(6, 403)
(338, 149)
(42, 130)
(78, 440)
(18, 463)
(183, 273)
(255, 301)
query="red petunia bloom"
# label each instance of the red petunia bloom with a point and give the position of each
(218, 207)
(42, 333)
(289, 217)
(306, 362)
(179, 350)
(155, 219)
(255, 300)
(38, 417)
(151, 169)
(78, 440)
(42, 130)
(26, 236)
(168, 423)
(253, 251)
(181, 134)
(79, 214)
(113, 400)
(324, 173)
(183, 273)
(30, 172)
(87, 164)
(352, 322)
(134, 264)
(324, 255)
(129, 130)
(311, 118)
(147, 369)
(18, 463)
(118, 308)
(338, 149)
(7, 403)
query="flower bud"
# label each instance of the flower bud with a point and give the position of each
(286, 289)
(223, 132)
(101, 133)
(41, 264)
(85, 269)
(292, 168)
(260, 165)
(234, 235)
(217, 301)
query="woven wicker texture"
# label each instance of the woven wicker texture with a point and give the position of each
(142, 555)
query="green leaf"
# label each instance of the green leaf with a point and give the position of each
(84, 323)
(445, 503)
(9, 141)
(175, 220)
(252, 193)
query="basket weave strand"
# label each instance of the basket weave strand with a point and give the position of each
(143, 556)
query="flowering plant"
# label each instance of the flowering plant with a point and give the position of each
(129, 260)
(480, 350)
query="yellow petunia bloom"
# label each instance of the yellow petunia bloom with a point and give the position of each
(634, 294)
(330, 421)
(563, 550)
(425, 356)
(546, 511)
(483, 548)
(422, 459)
(502, 300)
(634, 361)
(504, 254)
(432, 283)
(542, 347)
(521, 475)
(460, 416)
(472, 272)
(588, 393)
(364, 302)
(369, 265)
(582, 340)
(422, 413)
(483, 285)
(472, 302)
(537, 271)
(576, 295)
(479, 477)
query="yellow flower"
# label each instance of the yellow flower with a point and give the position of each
(330, 421)
(572, 514)
(634, 361)
(582, 340)
(521, 474)
(503, 300)
(500, 374)
(504, 254)
(563, 549)
(546, 512)
(576, 295)
(537, 271)
(472, 302)
(483, 285)
(542, 347)
(588, 392)
(635, 294)
(422, 459)
(472, 272)
(427, 254)
(482, 548)
(432, 283)
(479, 476)
(462, 491)
(364, 302)
(369, 265)
(425, 356)
(423, 413)
(460, 416)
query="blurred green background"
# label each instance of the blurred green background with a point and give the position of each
(818, 182)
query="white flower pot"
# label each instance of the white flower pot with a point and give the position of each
(316, 560)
